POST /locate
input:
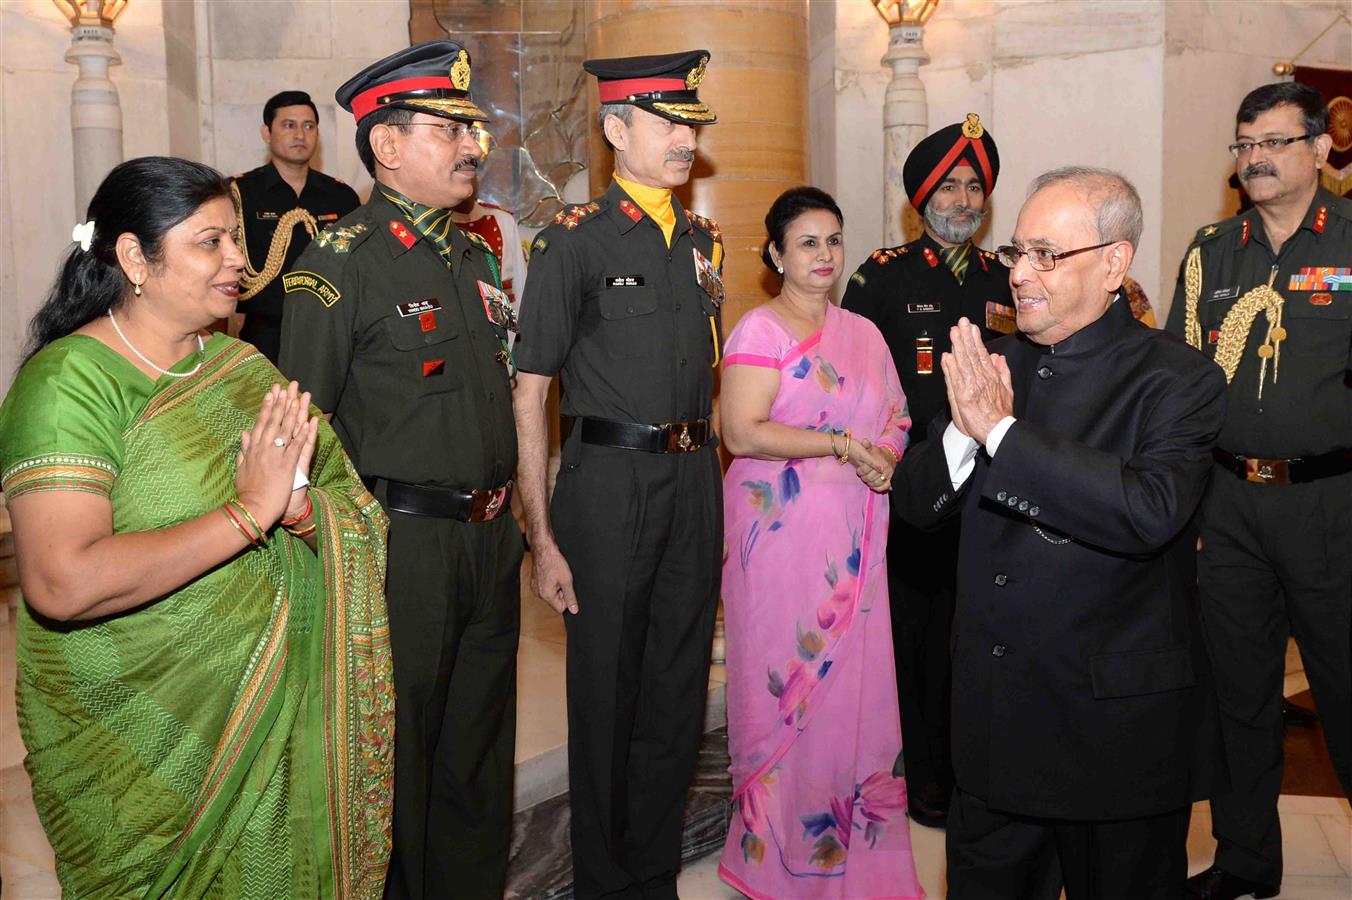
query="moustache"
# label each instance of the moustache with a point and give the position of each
(469, 162)
(1257, 169)
(681, 156)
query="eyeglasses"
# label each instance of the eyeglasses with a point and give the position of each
(1270, 146)
(456, 131)
(1040, 258)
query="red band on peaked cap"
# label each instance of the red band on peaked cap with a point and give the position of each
(950, 162)
(365, 102)
(618, 91)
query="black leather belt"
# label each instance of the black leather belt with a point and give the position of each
(669, 437)
(1298, 470)
(442, 502)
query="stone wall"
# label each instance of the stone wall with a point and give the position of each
(1147, 87)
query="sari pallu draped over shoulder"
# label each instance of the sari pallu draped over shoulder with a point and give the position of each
(819, 798)
(234, 738)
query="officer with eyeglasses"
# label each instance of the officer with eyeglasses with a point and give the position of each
(1268, 295)
(396, 321)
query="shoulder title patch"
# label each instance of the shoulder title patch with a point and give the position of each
(313, 282)
(540, 245)
(858, 278)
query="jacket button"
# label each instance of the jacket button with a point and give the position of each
(998, 650)
(1023, 504)
(1001, 579)
(1001, 496)
(1033, 510)
(1044, 373)
(678, 307)
(682, 360)
(629, 309)
(1012, 501)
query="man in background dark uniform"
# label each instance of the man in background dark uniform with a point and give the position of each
(281, 205)
(915, 293)
(623, 303)
(395, 321)
(1277, 518)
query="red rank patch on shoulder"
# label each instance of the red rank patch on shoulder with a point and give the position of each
(1320, 219)
(931, 257)
(630, 210)
(433, 367)
(401, 232)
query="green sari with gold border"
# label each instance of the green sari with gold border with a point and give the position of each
(233, 739)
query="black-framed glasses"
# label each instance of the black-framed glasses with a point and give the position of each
(1040, 258)
(456, 131)
(1269, 145)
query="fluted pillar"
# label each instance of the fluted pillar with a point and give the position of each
(756, 82)
(905, 122)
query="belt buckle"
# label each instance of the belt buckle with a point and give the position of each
(679, 439)
(487, 503)
(1267, 471)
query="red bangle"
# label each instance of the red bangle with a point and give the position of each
(895, 455)
(305, 513)
(243, 529)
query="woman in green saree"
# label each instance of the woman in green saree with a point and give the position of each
(204, 682)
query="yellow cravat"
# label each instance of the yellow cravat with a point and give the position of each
(656, 202)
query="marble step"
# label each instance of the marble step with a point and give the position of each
(540, 867)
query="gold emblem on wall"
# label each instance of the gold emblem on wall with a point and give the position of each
(696, 76)
(460, 74)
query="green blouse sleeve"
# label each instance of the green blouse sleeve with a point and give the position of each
(61, 423)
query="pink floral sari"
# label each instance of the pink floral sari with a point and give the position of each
(819, 802)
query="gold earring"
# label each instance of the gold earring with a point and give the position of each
(136, 288)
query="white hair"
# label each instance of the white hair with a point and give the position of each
(1117, 205)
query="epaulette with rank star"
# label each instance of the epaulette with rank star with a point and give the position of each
(708, 225)
(570, 218)
(479, 242)
(1216, 229)
(885, 255)
(340, 238)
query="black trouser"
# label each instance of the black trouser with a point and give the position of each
(643, 534)
(454, 595)
(999, 856)
(922, 571)
(1276, 561)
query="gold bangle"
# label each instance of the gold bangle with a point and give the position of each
(845, 457)
(831, 436)
(896, 457)
(262, 535)
(229, 517)
(300, 532)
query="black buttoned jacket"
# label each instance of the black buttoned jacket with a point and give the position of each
(1081, 688)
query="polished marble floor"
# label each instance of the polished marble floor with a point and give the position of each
(1317, 831)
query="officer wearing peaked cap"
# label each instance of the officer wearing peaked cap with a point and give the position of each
(623, 304)
(397, 323)
(915, 293)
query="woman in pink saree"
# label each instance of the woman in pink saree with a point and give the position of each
(814, 412)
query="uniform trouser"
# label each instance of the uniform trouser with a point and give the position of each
(998, 856)
(922, 576)
(1276, 561)
(454, 596)
(643, 535)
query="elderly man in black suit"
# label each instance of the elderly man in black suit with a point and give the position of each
(1084, 720)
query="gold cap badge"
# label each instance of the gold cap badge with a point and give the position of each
(696, 76)
(972, 127)
(460, 74)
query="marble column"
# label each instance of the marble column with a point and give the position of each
(756, 82)
(905, 121)
(95, 115)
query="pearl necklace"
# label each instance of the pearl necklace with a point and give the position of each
(201, 351)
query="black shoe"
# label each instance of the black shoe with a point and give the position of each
(1298, 715)
(927, 811)
(1218, 884)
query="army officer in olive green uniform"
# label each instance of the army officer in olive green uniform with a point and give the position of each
(395, 321)
(623, 303)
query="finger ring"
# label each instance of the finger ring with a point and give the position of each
(278, 442)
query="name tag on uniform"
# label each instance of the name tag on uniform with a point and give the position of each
(708, 278)
(418, 307)
(1224, 293)
(621, 281)
(922, 307)
(326, 217)
(266, 216)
